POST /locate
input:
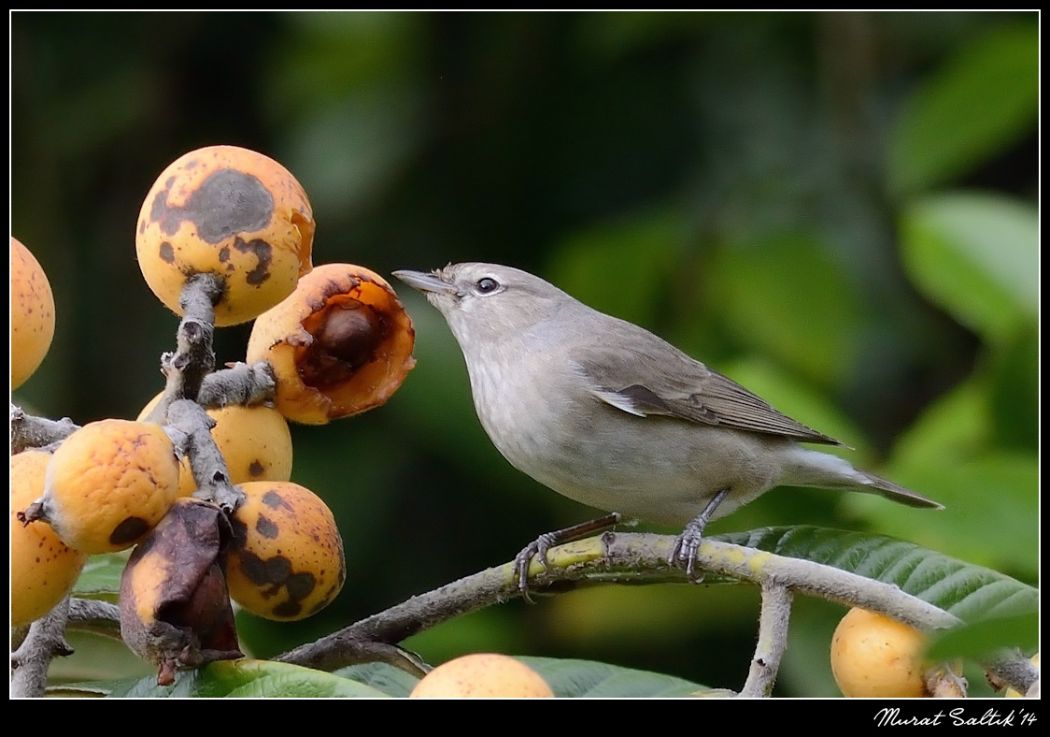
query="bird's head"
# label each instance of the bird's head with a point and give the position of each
(487, 301)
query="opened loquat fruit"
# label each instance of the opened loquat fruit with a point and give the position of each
(341, 344)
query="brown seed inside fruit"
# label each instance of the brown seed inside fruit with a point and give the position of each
(346, 336)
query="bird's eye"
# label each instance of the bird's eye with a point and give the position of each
(487, 285)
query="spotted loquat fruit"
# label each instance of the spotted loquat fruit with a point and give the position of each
(231, 212)
(32, 314)
(286, 559)
(108, 484)
(43, 568)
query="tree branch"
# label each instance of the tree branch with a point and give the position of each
(238, 384)
(193, 358)
(772, 640)
(98, 617)
(943, 683)
(190, 427)
(1017, 672)
(46, 639)
(186, 370)
(28, 431)
(631, 558)
(624, 558)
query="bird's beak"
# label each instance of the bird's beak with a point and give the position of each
(425, 282)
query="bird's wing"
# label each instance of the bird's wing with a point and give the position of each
(684, 388)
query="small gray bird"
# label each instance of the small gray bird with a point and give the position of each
(606, 413)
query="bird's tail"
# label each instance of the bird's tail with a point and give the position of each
(812, 468)
(878, 485)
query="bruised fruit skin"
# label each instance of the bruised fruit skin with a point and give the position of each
(482, 676)
(286, 561)
(227, 211)
(254, 441)
(43, 569)
(875, 656)
(109, 483)
(340, 345)
(32, 314)
(174, 607)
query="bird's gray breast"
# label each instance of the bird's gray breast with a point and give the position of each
(524, 405)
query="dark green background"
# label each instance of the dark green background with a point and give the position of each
(837, 210)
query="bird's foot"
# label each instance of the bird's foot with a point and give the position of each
(686, 545)
(538, 548)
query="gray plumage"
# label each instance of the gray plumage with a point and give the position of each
(608, 414)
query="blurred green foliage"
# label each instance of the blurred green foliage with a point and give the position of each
(837, 210)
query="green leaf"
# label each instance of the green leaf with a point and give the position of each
(567, 678)
(1014, 395)
(976, 256)
(381, 676)
(785, 295)
(100, 578)
(259, 678)
(954, 425)
(245, 678)
(986, 637)
(130, 687)
(81, 691)
(584, 678)
(96, 658)
(981, 101)
(969, 592)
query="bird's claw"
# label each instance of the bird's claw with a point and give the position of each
(536, 549)
(543, 543)
(686, 546)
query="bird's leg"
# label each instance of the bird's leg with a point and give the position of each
(548, 540)
(688, 543)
